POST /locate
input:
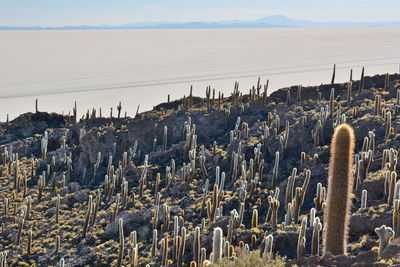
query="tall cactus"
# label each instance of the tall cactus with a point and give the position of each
(340, 184)
(217, 245)
(121, 247)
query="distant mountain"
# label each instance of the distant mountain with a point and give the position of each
(277, 21)
(288, 22)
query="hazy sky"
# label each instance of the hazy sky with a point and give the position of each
(115, 12)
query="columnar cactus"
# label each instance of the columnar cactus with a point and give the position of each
(165, 137)
(164, 251)
(361, 84)
(196, 246)
(57, 244)
(96, 207)
(274, 214)
(57, 215)
(300, 195)
(87, 218)
(340, 183)
(364, 199)
(349, 90)
(121, 242)
(119, 107)
(254, 219)
(391, 187)
(396, 218)
(21, 222)
(389, 129)
(312, 217)
(385, 235)
(217, 245)
(333, 74)
(275, 170)
(29, 245)
(182, 246)
(212, 207)
(317, 227)
(133, 250)
(290, 188)
(268, 241)
(378, 105)
(44, 142)
(154, 243)
(301, 242)
(332, 103)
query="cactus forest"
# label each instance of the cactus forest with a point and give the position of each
(302, 176)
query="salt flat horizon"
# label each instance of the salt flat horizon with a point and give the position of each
(141, 67)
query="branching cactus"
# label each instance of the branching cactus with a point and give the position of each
(385, 235)
(182, 246)
(87, 218)
(268, 241)
(301, 242)
(133, 250)
(274, 214)
(300, 195)
(212, 207)
(378, 105)
(317, 227)
(312, 217)
(389, 128)
(340, 184)
(290, 188)
(119, 108)
(275, 170)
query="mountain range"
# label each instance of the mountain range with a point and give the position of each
(277, 21)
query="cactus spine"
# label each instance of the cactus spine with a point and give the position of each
(301, 242)
(340, 184)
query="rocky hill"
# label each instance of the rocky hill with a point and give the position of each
(202, 178)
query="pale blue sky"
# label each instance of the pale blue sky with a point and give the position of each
(116, 12)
